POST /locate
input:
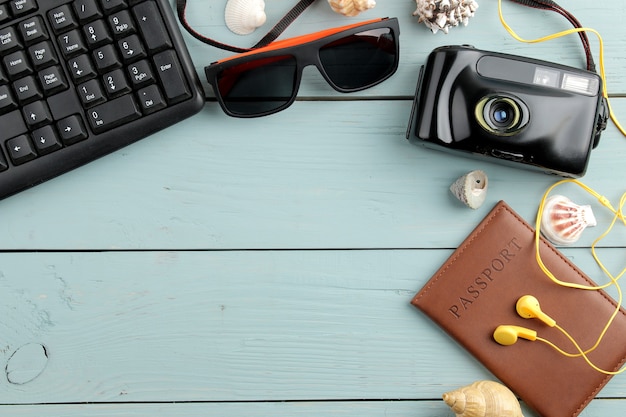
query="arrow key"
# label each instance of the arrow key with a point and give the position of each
(46, 140)
(20, 150)
(131, 49)
(81, 68)
(71, 130)
(36, 114)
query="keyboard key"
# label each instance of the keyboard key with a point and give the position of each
(42, 55)
(81, 68)
(121, 24)
(171, 76)
(46, 140)
(151, 26)
(150, 99)
(7, 102)
(113, 113)
(71, 43)
(96, 34)
(52, 80)
(71, 130)
(62, 19)
(4, 15)
(131, 49)
(115, 83)
(110, 6)
(106, 58)
(36, 114)
(17, 64)
(9, 40)
(141, 74)
(90, 93)
(33, 30)
(87, 10)
(27, 89)
(20, 150)
(22, 7)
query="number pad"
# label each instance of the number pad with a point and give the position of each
(116, 56)
(111, 49)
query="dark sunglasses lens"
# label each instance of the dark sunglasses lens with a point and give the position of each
(361, 60)
(259, 86)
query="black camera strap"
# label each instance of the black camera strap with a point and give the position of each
(553, 6)
(274, 33)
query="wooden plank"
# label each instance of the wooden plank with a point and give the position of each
(232, 326)
(285, 181)
(483, 31)
(597, 407)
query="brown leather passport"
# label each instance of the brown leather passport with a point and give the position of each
(476, 289)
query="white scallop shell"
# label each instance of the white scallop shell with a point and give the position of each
(443, 14)
(244, 16)
(351, 7)
(563, 221)
(471, 188)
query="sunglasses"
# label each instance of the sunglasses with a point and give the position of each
(266, 80)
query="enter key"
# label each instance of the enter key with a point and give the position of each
(171, 76)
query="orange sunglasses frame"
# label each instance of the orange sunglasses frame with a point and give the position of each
(283, 47)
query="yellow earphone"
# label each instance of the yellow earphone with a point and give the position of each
(528, 306)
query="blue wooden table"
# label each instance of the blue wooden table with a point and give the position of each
(264, 267)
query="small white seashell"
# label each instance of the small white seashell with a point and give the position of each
(563, 221)
(351, 7)
(483, 399)
(244, 16)
(471, 188)
(443, 14)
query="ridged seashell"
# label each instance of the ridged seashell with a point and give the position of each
(483, 399)
(351, 7)
(244, 16)
(471, 188)
(563, 221)
(444, 14)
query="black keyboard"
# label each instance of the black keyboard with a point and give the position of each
(82, 78)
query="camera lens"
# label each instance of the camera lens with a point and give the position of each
(501, 115)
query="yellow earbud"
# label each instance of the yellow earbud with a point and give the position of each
(507, 335)
(528, 307)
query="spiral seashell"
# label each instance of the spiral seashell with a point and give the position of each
(351, 7)
(443, 14)
(471, 188)
(563, 221)
(483, 399)
(244, 16)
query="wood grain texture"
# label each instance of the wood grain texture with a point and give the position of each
(430, 408)
(233, 326)
(353, 181)
(265, 267)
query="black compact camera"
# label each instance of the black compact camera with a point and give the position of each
(523, 111)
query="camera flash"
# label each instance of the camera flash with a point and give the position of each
(580, 84)
(546, 77)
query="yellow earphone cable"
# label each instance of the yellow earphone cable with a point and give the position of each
(565, 33)
(581, 352)
(618, 214)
